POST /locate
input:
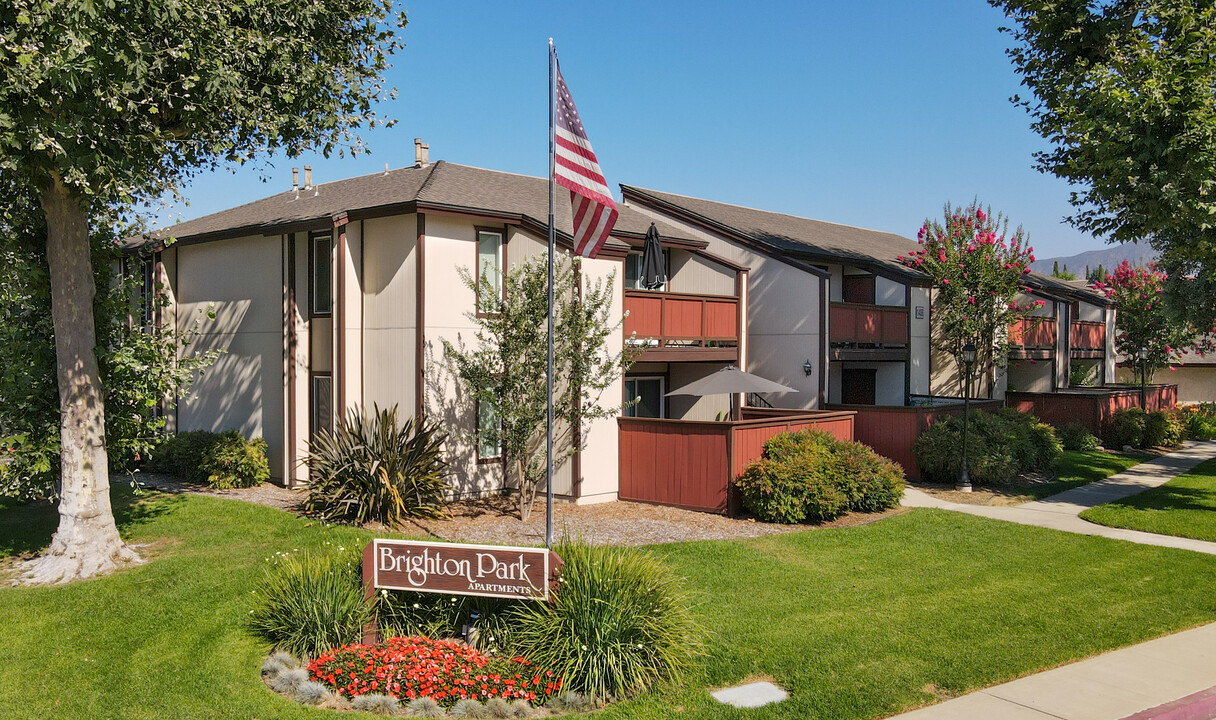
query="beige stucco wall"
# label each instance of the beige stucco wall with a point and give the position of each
(390, 312)
(303, 387)
(350, 265)
(1196, 383)
(690, 273)
(919, 346)
(242, 280)
(599, 464)
(783, 316)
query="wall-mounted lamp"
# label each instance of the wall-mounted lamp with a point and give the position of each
(807, 367)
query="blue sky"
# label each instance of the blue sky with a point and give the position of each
(871, 114)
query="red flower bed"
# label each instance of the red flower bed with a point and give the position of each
(445, 671)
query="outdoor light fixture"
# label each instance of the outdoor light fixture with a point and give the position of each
(968, 355)
(807, 367)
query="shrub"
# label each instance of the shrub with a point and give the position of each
(223, 460)
(1162, 428)
(309, 603)
(1075, 436)
(617, 623)
(1000, 446)
(1200, 421)
(288, 680)
(469, 709)
(311, 693)
(375, 468)
(1126, 427)
(234, 462)
(439, 670)
(410, 614)
(810, 475)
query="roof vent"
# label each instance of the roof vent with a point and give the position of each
(295, 182)
(308, 177)
(420, 152)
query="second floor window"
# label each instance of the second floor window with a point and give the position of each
(489, 268)
(322, 273)
(633, 270)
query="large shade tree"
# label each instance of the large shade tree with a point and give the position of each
(1124, 92)
(104, 103)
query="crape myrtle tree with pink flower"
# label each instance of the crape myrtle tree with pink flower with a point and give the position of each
(1147, 321)
(978, 270)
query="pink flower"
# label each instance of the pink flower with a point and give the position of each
(945, 281)
(971, 299)
(979, 214)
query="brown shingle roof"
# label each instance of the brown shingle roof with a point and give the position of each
(440, 184)
(807, 239)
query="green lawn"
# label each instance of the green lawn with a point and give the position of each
(1184, 506)
(856, 623)
(1075, 468)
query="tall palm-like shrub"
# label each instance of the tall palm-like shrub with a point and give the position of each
(377, 468)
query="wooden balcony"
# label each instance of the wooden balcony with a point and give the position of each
(684, 326)
(863, 332)
(1033, 338)
(1087, 337)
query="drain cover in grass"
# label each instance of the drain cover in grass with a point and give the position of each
(750, 695)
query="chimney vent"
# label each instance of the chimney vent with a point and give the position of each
(420, 152)
(295, 181)
(307, 177)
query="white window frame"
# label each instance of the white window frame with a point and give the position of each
(662, 394)
(496, 277)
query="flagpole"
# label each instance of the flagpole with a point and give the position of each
(549, 373)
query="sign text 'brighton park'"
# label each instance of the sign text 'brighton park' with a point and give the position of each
(519, 573)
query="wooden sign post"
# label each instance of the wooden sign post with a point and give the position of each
(518, 573)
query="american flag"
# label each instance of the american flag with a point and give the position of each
(576, 169)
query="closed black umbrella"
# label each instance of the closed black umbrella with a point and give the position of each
(654, 267)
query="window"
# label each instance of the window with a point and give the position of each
(489, 426)
(633, 270)
(650, 392)
(489, 267)
(147, 291)
(322, 273)
(858, 289)
(322, 403)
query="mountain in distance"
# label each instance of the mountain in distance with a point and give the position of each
(1109, 258)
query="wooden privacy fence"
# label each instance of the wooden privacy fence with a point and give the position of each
(690, 464)
(1091, 408)
(891, 430)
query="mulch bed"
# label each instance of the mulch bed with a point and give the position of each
(1012, 494)
(495, 519)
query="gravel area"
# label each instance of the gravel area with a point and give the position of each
(495, 519)
(265, 494)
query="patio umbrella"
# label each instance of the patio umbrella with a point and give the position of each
(730, 380)
(654, 266)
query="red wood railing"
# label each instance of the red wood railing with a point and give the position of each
(683, 317)
(878, 324)
(1087, 335)
(1034, 333)
(690, 464)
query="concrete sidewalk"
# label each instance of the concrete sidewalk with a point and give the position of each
(1110, 686)
(1059, 512)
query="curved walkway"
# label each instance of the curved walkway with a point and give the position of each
(1060, 512)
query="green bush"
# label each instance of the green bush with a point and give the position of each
(310, 603)
(1075, 436)
(402, 613)
(375, 468)
(617, 623)
(1001, 445)
(1126, 427)
(234, 462)
(1200, 421)
(1163, 428)
(222, 460)
(810, 475)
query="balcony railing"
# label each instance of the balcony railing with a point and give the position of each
(857, 324)
(1088, 335)
(1033, 333)
(682, 319)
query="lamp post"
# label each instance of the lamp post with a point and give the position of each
(964, 481)
(1142, 357)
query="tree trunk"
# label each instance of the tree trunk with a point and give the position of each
(86, 542)
(527, 492)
